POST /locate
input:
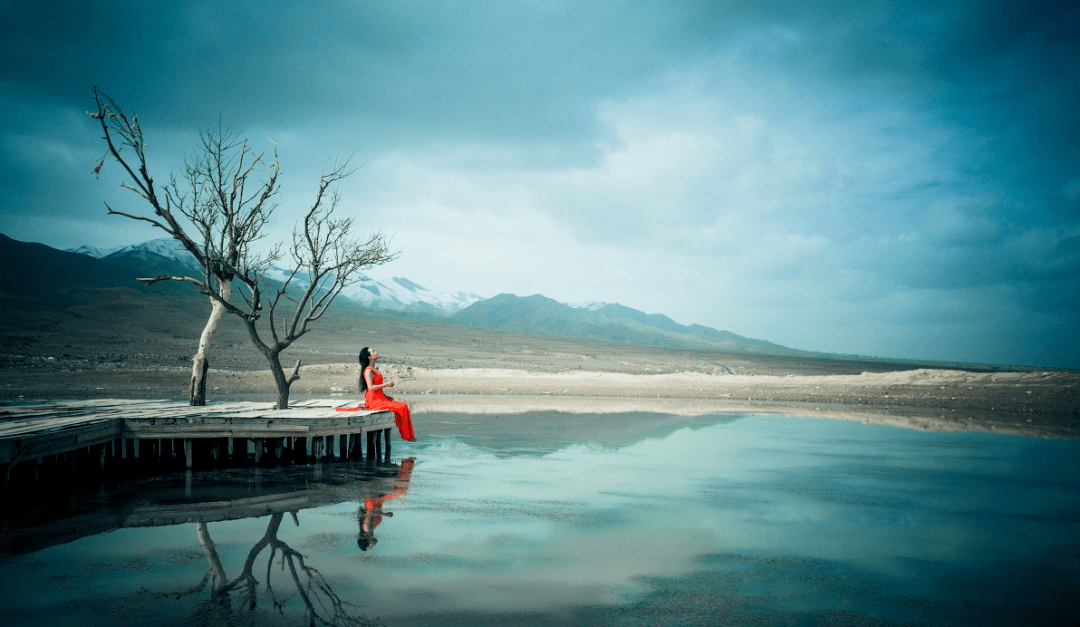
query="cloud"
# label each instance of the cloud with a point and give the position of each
(860, 177)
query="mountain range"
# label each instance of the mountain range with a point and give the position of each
(37, 275)
(397, 294)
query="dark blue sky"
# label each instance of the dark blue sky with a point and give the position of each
(893, 179)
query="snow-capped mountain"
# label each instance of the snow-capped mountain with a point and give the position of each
(151, 250)
(93, 251)
(394, 294)
(608, 322)
(401, 294)
(592, 305)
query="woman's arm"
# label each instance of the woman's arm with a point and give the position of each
(370, 379)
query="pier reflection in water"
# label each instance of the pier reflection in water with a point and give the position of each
(134, 533)
(722, 519)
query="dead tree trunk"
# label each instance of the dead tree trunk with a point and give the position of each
(272, 353)
(284, 382)
(197, 391)
(200, 364)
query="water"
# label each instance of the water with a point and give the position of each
(561, 519)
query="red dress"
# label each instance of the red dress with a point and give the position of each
(373, 505)
(375, 399)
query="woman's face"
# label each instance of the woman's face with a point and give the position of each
(373, 355)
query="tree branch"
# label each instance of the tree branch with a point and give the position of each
(166, 277)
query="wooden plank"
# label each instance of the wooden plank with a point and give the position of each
(49, 416)
(181, 411)
(70, 407)
(313, 412)
(22, 430)
(83, 403)
(197, 434)
(53, 444)
(8, 424)
(247, 431)
(252, 414)
(102, 432)
(99, 402)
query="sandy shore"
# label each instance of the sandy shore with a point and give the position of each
(451, 368)
(1040, 404)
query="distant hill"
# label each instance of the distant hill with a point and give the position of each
(35, 275)
(612, 322)
(38, 273)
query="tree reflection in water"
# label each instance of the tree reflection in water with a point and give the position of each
(323, 605)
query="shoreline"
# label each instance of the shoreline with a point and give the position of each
(1042, 404)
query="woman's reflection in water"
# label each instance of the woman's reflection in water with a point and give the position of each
(371, 511)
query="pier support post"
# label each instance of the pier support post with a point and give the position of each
(258, 450)
(189, 456)
(378, 444)
(386, 437)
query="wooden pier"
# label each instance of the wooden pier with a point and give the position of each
(111, 432)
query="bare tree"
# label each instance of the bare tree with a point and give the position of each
(224, 197)
(325, 258)
(226, 201)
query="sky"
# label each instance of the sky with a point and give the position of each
(891, 179)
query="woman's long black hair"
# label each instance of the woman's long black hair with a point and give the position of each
(365, 360)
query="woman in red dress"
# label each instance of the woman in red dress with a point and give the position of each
(371, 384)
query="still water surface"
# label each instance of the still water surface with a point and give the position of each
(558, 519)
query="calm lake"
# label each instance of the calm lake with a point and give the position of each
(579, 519)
